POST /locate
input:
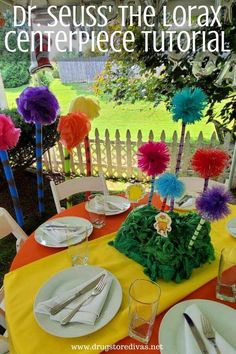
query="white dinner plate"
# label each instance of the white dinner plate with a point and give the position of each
(171, 333)
(231, 227)
(42, 237)
(121, 201)
(68, 279)
(190, 207)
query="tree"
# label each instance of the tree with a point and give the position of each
(13, 66)
(119, 81)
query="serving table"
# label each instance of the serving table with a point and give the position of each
(201, 286)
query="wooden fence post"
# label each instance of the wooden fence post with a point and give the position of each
(108, 153)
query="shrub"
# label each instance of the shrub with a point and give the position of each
(23, 155)
(43, 78)
(15, 74)
(55, 73)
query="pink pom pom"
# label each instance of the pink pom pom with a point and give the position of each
(209, 162)
(9, 134)
(153, 158)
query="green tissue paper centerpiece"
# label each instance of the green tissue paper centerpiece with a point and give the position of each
(167, 258)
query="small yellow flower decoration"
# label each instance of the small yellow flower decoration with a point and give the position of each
(88, 105)
(135, 192)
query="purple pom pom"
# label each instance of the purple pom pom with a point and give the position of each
(38, 105)
(212, 204)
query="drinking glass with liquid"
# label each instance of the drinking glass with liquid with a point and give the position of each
(144, 298)
(226, 282)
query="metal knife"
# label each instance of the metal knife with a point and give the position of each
(196, 334)
(57, 308)
(61, 227)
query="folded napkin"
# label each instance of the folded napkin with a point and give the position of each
(89, 311)
(103, 204)
(56, 236)
(188, 203)
(191, 346)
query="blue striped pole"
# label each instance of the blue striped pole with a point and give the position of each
(151, 191)
(12, 187)
(67, 174)
(39, 152)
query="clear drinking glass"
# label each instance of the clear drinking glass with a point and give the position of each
(97, 214)
(226, 282)
(78, 253)
(144, 298)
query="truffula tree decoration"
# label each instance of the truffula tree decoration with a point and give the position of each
(169, 186)
(209, 163)
(91, 108)
(187, 105)
(9, 136)
(153, 159)
(38, 106)
(212, 205)
(72, 128)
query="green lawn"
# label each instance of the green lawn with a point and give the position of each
(140, 115)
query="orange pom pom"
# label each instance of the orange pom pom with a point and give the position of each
(209, 162)
(73, 128)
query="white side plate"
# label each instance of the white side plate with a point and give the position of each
(121, 201)
(42, 238)
(68, 279)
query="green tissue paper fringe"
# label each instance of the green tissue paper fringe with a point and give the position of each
(166, 258)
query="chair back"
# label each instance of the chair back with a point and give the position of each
(9, 226)
(77, 185)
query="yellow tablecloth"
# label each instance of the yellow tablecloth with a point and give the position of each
(22, 285)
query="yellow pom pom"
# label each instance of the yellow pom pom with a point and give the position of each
(135, 192)
(87, 105)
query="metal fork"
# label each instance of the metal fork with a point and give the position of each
(209, 332)
(97, 290)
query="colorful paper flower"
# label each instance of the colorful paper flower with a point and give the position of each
(153, 158)
(168, 185)
(73, 128)
(38, 105)
(87, 105)
(209, 162)
(188, 105)
(213, 203)
(9, 134)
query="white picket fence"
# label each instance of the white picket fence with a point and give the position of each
(116, 158)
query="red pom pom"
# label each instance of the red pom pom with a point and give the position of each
(209, 162)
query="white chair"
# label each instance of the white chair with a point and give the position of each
(4, 348)
(77, 185)
(9, 226)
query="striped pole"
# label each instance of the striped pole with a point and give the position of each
(206, 182)
(67, 173)
(196, 233)
(163, 204)
(39, 152)
(151, 191)
(179, 157)
(88, 159)
(12, 187)
(88, 156)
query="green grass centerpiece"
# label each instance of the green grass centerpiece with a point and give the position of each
(169, 257)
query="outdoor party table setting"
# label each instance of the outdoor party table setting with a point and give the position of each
(35, 265)
(104, 271)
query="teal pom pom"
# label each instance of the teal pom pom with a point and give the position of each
(188, 105)
(168, 185)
